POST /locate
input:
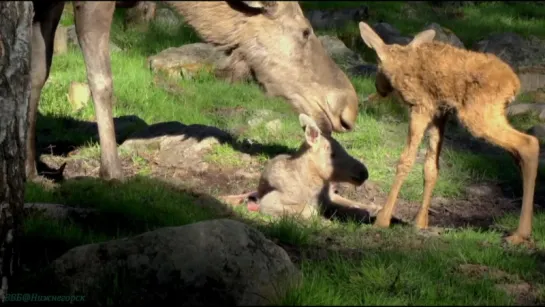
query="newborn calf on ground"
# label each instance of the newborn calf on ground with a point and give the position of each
(301, 183)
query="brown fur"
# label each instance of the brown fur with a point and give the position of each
(300, 184)
(433, 78)
(271, 40)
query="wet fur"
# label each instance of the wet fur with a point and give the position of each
(300, 184)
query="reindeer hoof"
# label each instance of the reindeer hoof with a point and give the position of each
(516, 239)
(421, 225)
(382, 221)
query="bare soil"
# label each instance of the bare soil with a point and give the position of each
(215, 180)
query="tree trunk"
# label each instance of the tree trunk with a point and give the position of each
(15, 51)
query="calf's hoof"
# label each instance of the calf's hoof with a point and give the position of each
(421, 223)
(516, 239)
(382, 220)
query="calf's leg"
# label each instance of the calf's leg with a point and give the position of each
(487, 120)
(418, 124)
(431, 168)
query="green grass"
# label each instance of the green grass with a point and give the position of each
(343, 264)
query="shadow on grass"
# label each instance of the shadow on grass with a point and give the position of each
(60, 135)
(392, 264)
(123, 209)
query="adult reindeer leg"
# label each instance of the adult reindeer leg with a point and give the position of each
(43, 34)
(93, 21)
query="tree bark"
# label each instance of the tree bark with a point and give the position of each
(15, 52)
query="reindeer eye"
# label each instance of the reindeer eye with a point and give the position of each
(306, 33)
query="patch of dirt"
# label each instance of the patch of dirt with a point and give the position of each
(474, 210)
(478, 208)
(214, 180)
(524, 293)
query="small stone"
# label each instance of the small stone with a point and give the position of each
(274, 126)
(78, 95)
(60, 42)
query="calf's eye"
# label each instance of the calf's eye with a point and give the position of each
(306, 33)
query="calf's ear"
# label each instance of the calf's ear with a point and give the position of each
(422, 37)
(312, 132)
(372, 40)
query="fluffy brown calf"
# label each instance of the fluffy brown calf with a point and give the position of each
(432, 78)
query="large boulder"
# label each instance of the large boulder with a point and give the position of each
(203, 264)
(186, 61)
(445, 35)
(177, 145)
(336, 18)
(140, 15)
(390, 35)
(339, 52)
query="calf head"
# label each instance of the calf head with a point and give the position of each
(386, 55)
(275, 43)
(328, 158)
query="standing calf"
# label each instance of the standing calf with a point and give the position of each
(432, 78)
(302, 182)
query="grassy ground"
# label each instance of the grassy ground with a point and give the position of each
(343, 263)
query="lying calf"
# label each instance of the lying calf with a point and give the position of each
(301, 183)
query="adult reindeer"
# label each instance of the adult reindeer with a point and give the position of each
(271, 40)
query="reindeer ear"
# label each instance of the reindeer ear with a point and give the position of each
(268, 7)
(372, 40)
(312, 132)
(422, 37)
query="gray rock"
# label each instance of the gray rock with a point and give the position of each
(186, 60)
(207, 263)
(510, 47)
(166, 17)
(141, 14)
(339, 52)
(532, 77)
(334, 18)
(523, 108)
(445, 35)
(538, 131)
(363, 70)
(390, 35)
(483, 190)
(178, 145)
